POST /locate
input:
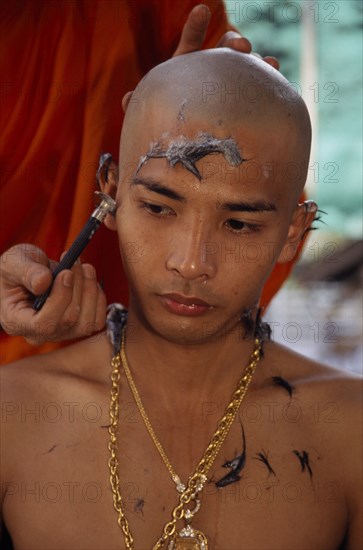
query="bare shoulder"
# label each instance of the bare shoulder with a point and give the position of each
(332, 399)
(49, 393)
(47, 375)
(315, 378)
(334, 396)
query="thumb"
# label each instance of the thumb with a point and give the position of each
(194, 30)
(27, 266)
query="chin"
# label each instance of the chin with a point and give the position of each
(176, 331)
(192, 332)
(189, 328)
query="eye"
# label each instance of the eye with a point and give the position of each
(236, 225)
(239, 226)
(157, 209)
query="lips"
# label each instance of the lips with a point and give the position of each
(187, 300)
(185, 305)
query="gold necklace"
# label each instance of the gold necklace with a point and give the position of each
(188, 536)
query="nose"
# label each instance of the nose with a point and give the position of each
(193, 254)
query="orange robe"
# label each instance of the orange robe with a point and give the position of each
(65, 68)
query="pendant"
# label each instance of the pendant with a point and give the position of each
(188, 538)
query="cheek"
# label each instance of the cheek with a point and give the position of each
(250, 258)
(137, 247)
(244, 272)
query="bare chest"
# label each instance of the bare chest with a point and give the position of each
(271, 487)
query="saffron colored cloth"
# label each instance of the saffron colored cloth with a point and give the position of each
(65, 67)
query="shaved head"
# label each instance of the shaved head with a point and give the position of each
(229, 103)
(213, 157)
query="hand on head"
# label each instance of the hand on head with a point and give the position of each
(193, 35)
(195, 29)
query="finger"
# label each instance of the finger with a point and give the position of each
(53, 265)
(272, 61)
(24, 269)
(236, 42)
(17, 318)
(27, 266)
(58, 316)
(50, 318)
(72, 313)
(89, 300)
(42, 326)
(65, 297)
(101, 309)
(194, 30)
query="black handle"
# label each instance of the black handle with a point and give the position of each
(70, 257)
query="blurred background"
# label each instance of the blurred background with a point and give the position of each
(319, 45)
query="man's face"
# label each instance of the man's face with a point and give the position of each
(198, 252)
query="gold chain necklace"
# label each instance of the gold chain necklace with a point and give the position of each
(187, 537)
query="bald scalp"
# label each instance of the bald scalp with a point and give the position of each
(225, 94)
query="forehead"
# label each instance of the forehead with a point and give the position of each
(167, 111)
(242, 155)
(149, 126)
(187, 152)
(219, 183)
(170, 101)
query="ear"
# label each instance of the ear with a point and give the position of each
(107, 178)
(301, 221)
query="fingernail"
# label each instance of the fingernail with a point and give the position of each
(68, 279)
(89, 271)
(204, 12)
(35, 276)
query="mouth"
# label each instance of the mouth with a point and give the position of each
(185, 305)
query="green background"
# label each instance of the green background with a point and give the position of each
(329, 35)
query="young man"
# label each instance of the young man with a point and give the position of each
(53, 166)
(206, 206)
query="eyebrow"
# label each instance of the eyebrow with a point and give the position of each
(156, 187)
(254, 206)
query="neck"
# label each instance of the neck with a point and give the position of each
(166, 370)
